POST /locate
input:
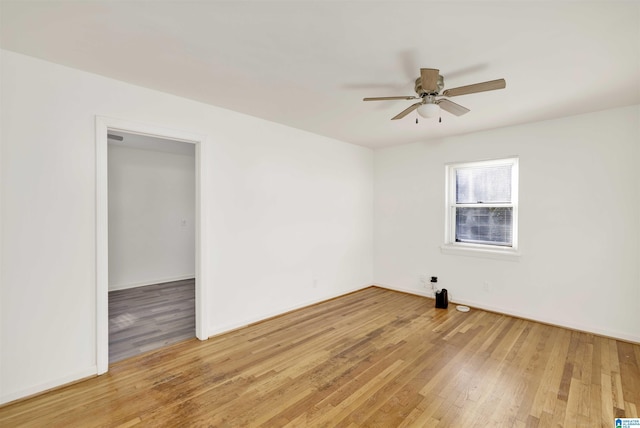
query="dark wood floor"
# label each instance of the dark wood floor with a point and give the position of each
(374, 358)
(146, 318)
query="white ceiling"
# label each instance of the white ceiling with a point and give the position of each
(308, 64)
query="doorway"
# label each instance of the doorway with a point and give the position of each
(151, 186)
(105, 126)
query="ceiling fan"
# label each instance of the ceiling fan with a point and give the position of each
(428, 87)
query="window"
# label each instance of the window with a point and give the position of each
(482, 206)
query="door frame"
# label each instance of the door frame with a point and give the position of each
(103, 125)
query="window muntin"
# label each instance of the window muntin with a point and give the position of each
(482, 202)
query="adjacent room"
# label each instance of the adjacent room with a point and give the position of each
(151, 243)
(366, 213)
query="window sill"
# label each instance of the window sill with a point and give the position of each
(474, 251)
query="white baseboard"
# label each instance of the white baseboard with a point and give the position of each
(573, 326)
(424, 293)
(221, 329)
(570, 325)
(150, 282)
(43, 387)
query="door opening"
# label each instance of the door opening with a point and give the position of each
(105, 126)
(151, 220)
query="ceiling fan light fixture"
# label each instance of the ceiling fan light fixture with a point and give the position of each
(429, 110)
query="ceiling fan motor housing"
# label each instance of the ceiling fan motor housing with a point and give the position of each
(422, 93)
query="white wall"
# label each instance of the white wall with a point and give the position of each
(579, 222)
(151, 216)
(286, 207)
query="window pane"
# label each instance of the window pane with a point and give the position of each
(490, 226)
(491, 184)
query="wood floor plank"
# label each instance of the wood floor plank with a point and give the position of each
(371, 358)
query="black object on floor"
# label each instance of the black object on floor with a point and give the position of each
(442, 299)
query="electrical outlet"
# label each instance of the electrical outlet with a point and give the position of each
(486, 286)
(314, 281)
(424, 279)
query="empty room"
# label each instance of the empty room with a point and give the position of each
(417, 214)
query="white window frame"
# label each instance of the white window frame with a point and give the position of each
(477, 249)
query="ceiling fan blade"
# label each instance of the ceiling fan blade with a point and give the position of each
(406, 111)
(429, 77)
(407, 97)
(478, 87)
(452, 107)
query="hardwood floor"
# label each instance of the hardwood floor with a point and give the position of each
(146, 318)
(374, 358)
